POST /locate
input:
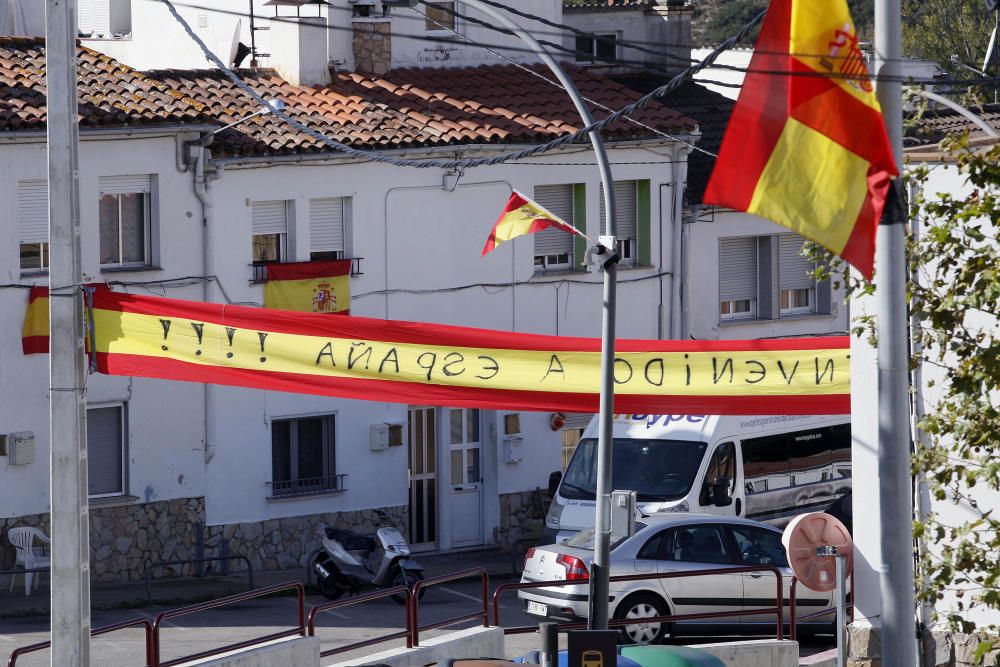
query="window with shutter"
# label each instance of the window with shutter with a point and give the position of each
(269, 229)
(33, 224)
(104, 19)
(124, 220)
(554, 247)
(326, 228)
(796, 282)
(106, 451)
(626, 219)
(738, 278)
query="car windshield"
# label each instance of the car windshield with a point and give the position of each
(654, 469)
(585, 538)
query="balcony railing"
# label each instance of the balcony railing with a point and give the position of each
(305, 486)
(259, 269)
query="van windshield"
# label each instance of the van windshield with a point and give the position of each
(656, 470)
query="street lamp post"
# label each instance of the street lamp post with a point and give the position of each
(599, 587)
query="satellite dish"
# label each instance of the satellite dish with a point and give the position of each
(234, 49)
(803, 535)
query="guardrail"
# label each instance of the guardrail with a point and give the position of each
(792, 633)
(299, 630)
(368, 597)
(188, 561)
(777, 610)
(41, 646)
(483, 613)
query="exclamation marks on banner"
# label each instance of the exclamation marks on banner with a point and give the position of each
(199, 330)
(166, 330)
(262, 336)
(230, 332)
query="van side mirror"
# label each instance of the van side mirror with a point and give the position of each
(718, 492)
(554, 479)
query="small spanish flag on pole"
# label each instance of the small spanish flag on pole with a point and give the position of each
(806, 145)
(522, 216)
(310, 287)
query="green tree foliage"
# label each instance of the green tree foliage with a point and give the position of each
(942, 29)
(715, 20)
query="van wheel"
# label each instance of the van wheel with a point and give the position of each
(640, 606)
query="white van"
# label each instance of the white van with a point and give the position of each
(767, 468)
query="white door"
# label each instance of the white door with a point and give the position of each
(423, 478)
(466, 488)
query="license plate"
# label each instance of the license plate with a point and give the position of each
(537, 608)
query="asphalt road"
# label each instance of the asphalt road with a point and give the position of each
(187, 635)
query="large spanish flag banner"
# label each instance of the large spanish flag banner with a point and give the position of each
(311, 287)
(806, 145)
(427, 364)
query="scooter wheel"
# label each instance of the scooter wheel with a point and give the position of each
(330, 588)
(407, 579)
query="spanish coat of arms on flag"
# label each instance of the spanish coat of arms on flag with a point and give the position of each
(310, 287)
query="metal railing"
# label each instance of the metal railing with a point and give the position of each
(406, 633)
(792, 632)
(187, 561)
(777, 610)
(259, 269)
(299, 630)
(483, 613)
(41, 646)
(305, 486)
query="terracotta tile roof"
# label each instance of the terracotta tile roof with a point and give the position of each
(406, 108)
(709, 109)
(933, 125)
(110, 94)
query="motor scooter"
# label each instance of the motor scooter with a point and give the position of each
(347, 561)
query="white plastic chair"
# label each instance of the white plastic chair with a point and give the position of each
(28, 555)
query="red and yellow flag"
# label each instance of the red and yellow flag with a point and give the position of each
(806, 145)
(35, 332)
(310, 287)
(522, 216)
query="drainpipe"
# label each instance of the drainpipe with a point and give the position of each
(664, 313)
(679, 168)
(199, 155)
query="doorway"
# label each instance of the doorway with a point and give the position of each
(465, 500)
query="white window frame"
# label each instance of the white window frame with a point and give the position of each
(122, 406)
(580, 58)
(731, 309)
(105, 19)
(728, 311)
(810, 306)
(562, 261)
(282, 236)
(331, 480)
(144, 186)
(33, 222)
(807, 286)
(433, 30)
(626, 246)
(318, 243)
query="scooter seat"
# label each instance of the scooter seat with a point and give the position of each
(350, 540)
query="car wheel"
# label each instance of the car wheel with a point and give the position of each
(639, 607)
(407, 579)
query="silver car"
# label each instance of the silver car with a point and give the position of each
(675, 543)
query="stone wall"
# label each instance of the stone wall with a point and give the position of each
(941, 649)
(522, 515)
(125, 538)
(372, 46)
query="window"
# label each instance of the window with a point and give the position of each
(627, 207)
(106, 451)
(440, 16)
(597, 48)
(326, 228)
(302, 456)
(721, 467)
(572, 431)
(795, 277)
(33, 224)
(464, 443)
(738, 278)
(652, 549)
(270, 230)
(124, 220)
(554, 247)
(696, 544)
(105, 19)
(759, 546)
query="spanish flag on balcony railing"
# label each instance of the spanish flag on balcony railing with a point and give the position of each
(310, 287)
(522, 216)
(806, 145)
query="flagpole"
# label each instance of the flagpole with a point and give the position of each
(895, 492)
(599, 578)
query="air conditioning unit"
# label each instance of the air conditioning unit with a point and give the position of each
(22, 451)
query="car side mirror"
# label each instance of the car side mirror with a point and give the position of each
(718, 492)
(554, 479)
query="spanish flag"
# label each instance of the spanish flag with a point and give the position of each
(522, 216)
(806, 145)
(309, 287)
(35, 332)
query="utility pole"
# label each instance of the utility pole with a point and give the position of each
(70, 529)
(895, 491)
